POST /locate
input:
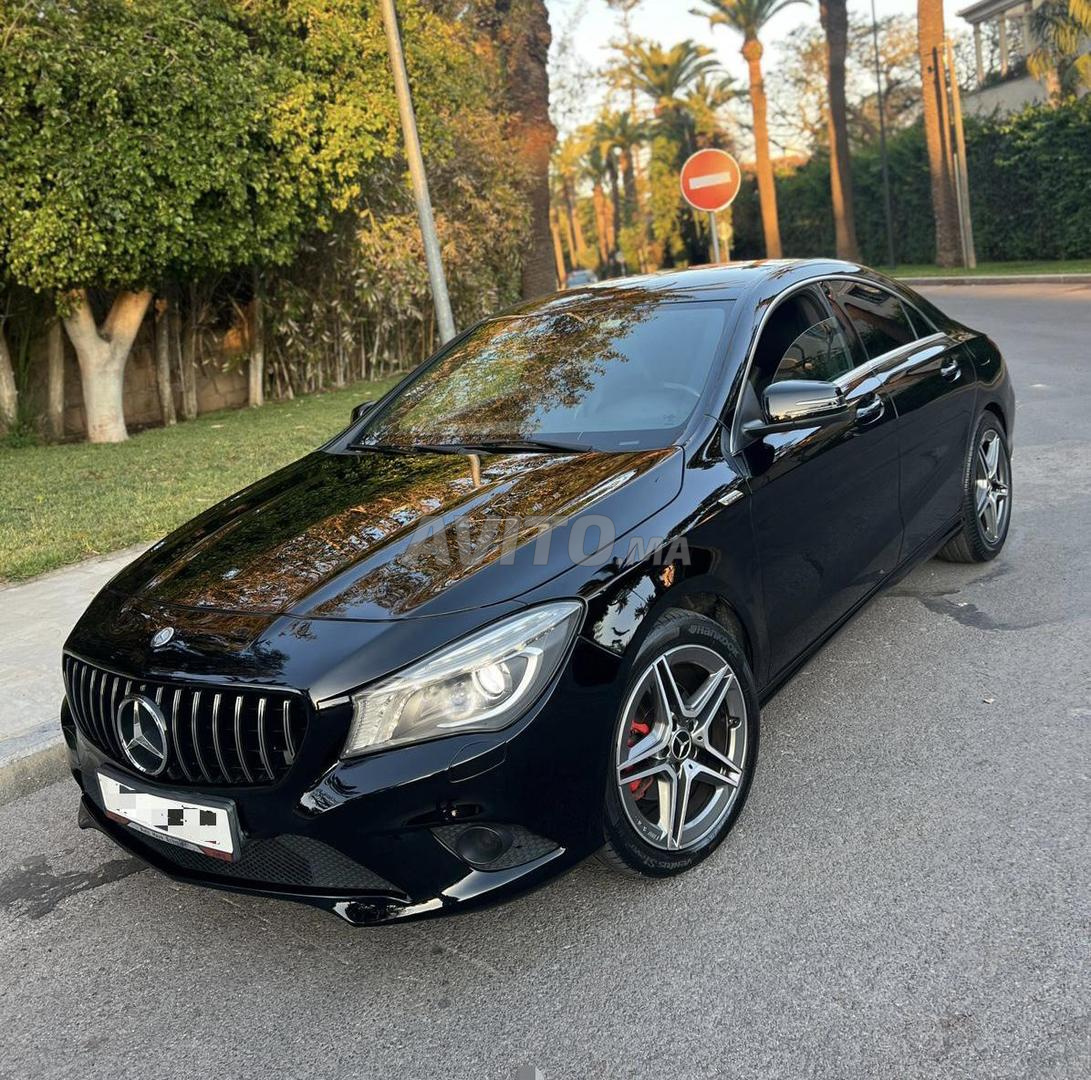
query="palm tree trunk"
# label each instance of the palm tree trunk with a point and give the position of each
(835, 22)
(574, 222)
(767, 192)
(521, 33)
(936, 134)
(602, 225)
(558, 250)
(615, 204)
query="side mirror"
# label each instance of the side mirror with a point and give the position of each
(361, 410)
(798, 403)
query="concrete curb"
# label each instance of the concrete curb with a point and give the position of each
(999, 279)
(21, 775)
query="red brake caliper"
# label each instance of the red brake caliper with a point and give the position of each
(637, 731)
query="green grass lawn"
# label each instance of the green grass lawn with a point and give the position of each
(1066, 266)
(60, 504)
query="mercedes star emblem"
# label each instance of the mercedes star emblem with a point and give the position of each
(142, 732)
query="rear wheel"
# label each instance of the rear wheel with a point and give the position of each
(684, 748)
(986, 502)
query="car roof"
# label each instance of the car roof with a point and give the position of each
(727, 281)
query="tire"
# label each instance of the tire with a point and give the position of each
(689, 743)
(974, 541)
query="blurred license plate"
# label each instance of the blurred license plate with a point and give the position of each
(205, 826)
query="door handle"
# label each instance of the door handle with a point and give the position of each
(950, 369)
(870, 409)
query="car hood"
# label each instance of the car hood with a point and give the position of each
(378, 536)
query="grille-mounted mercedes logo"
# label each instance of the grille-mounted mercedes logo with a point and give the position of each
(142, 732)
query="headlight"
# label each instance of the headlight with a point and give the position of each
(482, 683)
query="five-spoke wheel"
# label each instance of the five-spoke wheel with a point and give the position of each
(987, 492)
(684, 746)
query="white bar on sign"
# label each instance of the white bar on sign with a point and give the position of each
(710, 180)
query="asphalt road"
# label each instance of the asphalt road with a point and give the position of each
(906, 894)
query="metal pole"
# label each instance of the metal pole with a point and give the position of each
(715, 238)
(960, 155)
(882, 140)
(432, 254)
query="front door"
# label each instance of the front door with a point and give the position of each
(824, 500)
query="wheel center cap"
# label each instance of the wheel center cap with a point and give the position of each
(681, 745)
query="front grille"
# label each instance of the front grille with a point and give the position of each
(283, 860)
(220, 736)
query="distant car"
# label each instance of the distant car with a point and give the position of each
(580, 277)
(528, 605)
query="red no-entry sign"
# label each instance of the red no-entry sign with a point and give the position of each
(710, 180)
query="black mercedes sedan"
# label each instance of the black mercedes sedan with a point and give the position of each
(527, 606)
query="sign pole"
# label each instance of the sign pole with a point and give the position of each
(432, 254)
(715, 236)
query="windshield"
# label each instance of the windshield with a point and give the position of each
(621, 375)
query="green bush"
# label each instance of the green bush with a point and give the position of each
(1028, 190)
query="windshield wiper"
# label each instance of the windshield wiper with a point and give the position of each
(500, 446)
(383, 448)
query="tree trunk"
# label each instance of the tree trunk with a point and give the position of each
(574, 222)
(257, 348)
(162, 362)
(767, 192)
(189, 359)
(55, 356)
(936, 134)
(598, 199)
(520, 30)
(558, 250)
(628, 177)
(615, 205)
(102, 354)
(9, 392)
(835, 23)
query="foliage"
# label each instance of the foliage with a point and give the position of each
(1016, 215)
(1061, 29)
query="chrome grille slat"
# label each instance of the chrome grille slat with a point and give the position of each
(175, 730)
(193, 716)
(216, 735)
(263, 740)
(240, 747)
(254, 741)
(289, 740)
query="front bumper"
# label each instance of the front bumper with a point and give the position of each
(375, 839)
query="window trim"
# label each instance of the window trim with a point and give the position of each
(853, 374)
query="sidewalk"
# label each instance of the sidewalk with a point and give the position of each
(35, 619)
(997, 279)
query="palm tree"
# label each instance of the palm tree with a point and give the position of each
(521, 35)
(936, 133)
(748, 17)
(835, 24)
(705, 103)
(1058, 28)
(664, 75)
(620, 132)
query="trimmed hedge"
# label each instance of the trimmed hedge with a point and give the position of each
(1030, 189)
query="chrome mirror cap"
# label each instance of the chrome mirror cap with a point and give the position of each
(801, 399)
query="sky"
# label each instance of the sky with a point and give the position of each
(669, 21)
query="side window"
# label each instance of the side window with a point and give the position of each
(877, 315)
(800, 341)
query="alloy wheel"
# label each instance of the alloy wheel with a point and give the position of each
(992, 483)
(682, 747)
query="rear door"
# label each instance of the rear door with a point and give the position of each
(929, 375)
(824, 501)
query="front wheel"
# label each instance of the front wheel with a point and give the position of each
(986, 500)
(684, 749)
